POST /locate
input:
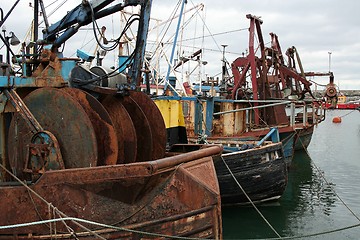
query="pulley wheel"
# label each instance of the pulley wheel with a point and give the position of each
(62, 115)
(142, 128)
(124, 129)
(156, 122)
(331, 91)
(105, 133)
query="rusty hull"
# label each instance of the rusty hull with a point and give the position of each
(170, 196)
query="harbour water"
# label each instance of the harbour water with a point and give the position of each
(323, 191)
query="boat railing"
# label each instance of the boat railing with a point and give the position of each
(276, 103)
(305, 112)
(273, 134)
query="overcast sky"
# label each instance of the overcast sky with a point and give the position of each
(314, 27)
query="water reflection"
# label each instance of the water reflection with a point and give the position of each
(307, 196)
(309, 205)
(314, 192)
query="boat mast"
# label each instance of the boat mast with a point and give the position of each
(174, 44)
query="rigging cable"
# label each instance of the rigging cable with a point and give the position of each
(215, 34)
(54, 10)
(166, 27)
(131, 20)
(169, 42)
(349, 113)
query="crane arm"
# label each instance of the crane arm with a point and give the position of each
(80, 16)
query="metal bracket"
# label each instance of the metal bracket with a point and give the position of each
(25, 113)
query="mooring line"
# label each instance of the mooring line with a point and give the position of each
(327, 182)
(324, 232)
(251, 202)
(312, 234)
(77, 221)
(341, 200)
(349, 113)
(73, 219)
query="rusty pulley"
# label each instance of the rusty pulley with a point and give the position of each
(104, 129)
(155, 119)
(124, 129)
(89, 133)
(331, 91)
(140, 122)
(63, 116)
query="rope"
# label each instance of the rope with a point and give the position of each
(318, 84)
(342, 201)
(313, 234)
(327, 182)
(207, 28)
(63, 218)
(348, 113)
(46, 202)
(324, 232)
(72, 219)
(252, 203)
(166, 29)
(214, 34)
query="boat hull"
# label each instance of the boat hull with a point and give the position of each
(260, 173)
(303, 138)
(169, 196)
(343, 106)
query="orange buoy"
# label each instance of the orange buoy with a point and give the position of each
(337, 120)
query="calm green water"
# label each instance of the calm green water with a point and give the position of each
(309, 204)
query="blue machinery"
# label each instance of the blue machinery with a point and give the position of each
(58, 114)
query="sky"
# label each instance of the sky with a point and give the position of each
(316, 28)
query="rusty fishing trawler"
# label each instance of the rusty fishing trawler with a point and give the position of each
(263, 91)
(248, 171)
(84, 156)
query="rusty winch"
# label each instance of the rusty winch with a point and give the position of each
(65, 115)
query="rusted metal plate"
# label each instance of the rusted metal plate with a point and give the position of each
(105, 133)
(62, 115)
(189, 116)
(142, 127)
(176, 201)
(157, 125)
(124, 128)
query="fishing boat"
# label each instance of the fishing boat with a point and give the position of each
(263, 91)
(247, 171)
(84, 156)
(259, 173)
